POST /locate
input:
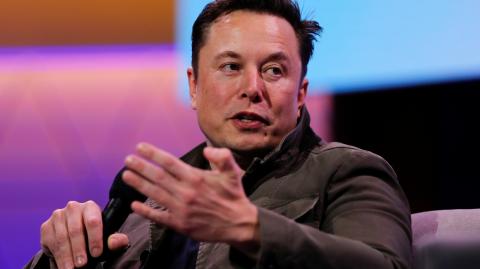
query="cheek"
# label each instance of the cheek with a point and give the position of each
(218, 96)
(285, 101)
(285, 109)
(211, 104)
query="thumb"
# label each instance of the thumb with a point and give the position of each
(222, 160)
(117, 241)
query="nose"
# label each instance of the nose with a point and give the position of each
(253, 86)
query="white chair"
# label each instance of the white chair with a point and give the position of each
(446, 239)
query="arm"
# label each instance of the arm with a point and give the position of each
(364, 220)
(365, 223)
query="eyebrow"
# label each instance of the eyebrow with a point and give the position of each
(277, 56)
(227, 54)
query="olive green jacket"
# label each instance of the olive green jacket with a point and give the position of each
(321, 205)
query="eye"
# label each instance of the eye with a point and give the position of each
(230, 67)
(273, 71)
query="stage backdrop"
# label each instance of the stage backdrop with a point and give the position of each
(81, 82)
(68, 118)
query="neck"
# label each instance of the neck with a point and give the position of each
(244, 158)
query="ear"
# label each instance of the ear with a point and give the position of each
(302, 93)
(192, 85)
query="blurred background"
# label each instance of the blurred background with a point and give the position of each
(82, 82)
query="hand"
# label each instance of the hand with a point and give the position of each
(202, 204)
(63, 234)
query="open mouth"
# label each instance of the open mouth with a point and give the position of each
(248, 117)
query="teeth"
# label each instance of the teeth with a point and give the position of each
(246, 117)
(246, 120)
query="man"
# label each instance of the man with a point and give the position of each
(263, 191)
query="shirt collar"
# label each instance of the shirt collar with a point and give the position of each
(291, 140)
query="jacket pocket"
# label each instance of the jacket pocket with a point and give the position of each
(292, 209)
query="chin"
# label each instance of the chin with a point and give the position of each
(250, 148)
(250, 144)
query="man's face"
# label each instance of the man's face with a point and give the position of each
(248, 92)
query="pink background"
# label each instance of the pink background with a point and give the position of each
(68, 118)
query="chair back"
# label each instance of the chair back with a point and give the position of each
(446, 239)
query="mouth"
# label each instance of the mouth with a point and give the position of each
(250, 120)
(250, 117)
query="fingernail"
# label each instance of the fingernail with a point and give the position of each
(129, 160)
(80, 260)
(210, 150)
(142, 147)
(95, 252)
(216, 152)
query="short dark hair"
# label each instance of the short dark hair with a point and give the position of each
(305, 30)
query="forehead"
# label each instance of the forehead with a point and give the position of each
(247, 32)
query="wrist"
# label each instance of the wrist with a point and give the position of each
(247, 234)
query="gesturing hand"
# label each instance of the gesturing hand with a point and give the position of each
(206, 205)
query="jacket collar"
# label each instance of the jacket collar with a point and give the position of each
(282, 157)
(291, 142)
(290, 146)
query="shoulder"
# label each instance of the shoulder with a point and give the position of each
(343, 150)
(341, 158)
(337, 164)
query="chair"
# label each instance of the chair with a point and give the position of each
(446, 239)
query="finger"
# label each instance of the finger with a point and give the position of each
(92, 218)
(73, 214)
(163, 196)
(222, 159)
(117, 241)
(47, 237)
(62, 251)
(150, 171)
(156, 215)
(155, 175)
(177, 168)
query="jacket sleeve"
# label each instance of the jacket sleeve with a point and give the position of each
(364, 222)
(41, 261)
